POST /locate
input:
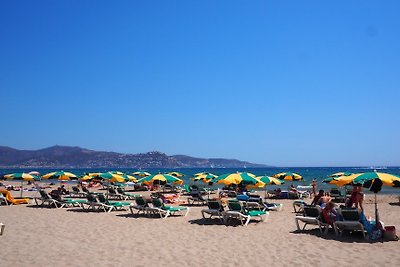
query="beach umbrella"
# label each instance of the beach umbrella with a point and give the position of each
(238, 178)
(374, 181)
(141, 174)
(176, 174)
(206, 178)
(203, 173)
(129, 178)
(288, 176)
(62, 176)
(86, 177)
(34, 173)
(111, 177)
(342, 180)
(367, 179)
(267, 180)
(22, 177)
(160, 179)
(338, 174)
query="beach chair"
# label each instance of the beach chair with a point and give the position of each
(312, 215)
(3, 199)
(237, 211)
(165, 211)
(298, 205)
(351, 221)
(215, 208)
(70, 202)
(112, 205)
(266, 206)
(337, 195)
(196, 198)
(121, 191)
(93, 203)
(114, 194)
(141, 206)
(77, 193)
(9, 199)
(47, 199)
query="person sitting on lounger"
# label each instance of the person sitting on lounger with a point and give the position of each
(316, 200)
(329, 213)
(324, 200)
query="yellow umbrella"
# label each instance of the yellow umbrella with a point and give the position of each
(344, 180)
(176, 174)
(160, 178)
(237, 178)
(23, 177)
(142, 174)
(206, 178)
(288, 176)
(62, 176)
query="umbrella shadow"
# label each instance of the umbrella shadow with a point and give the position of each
(394, 203)
(202, 221)
(40, 207)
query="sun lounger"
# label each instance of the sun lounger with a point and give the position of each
(337, 195)
(215, 208)
(298, 205)
(3, 199)
(141, 206)
(114, 194)
(47, 199)
(10, 200)
(112, 205)
(129, 196)
(77, 193)
(164, 211)
(351, 221)
(196, 198)
(312, 215)
(237, 211)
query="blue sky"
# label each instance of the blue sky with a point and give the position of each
(286, 83)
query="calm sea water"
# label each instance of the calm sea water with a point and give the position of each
(308, 173)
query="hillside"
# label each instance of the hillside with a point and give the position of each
(76, 157)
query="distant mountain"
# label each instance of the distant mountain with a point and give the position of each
(76, 157)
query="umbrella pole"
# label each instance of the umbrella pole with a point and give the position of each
(376, 212)
(21, 188)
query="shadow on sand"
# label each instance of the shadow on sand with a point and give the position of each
(347, 237)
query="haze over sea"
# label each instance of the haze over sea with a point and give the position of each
(308, 173)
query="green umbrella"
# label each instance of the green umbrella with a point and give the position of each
(22, 177)
(160, 179)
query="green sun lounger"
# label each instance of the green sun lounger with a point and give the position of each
(237, 211)
(165, 211)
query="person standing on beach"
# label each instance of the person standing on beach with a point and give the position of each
(314, 187)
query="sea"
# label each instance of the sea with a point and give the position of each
(308, 173)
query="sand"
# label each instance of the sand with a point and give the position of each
(70, 237)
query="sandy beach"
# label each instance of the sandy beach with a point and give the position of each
(37, 236)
